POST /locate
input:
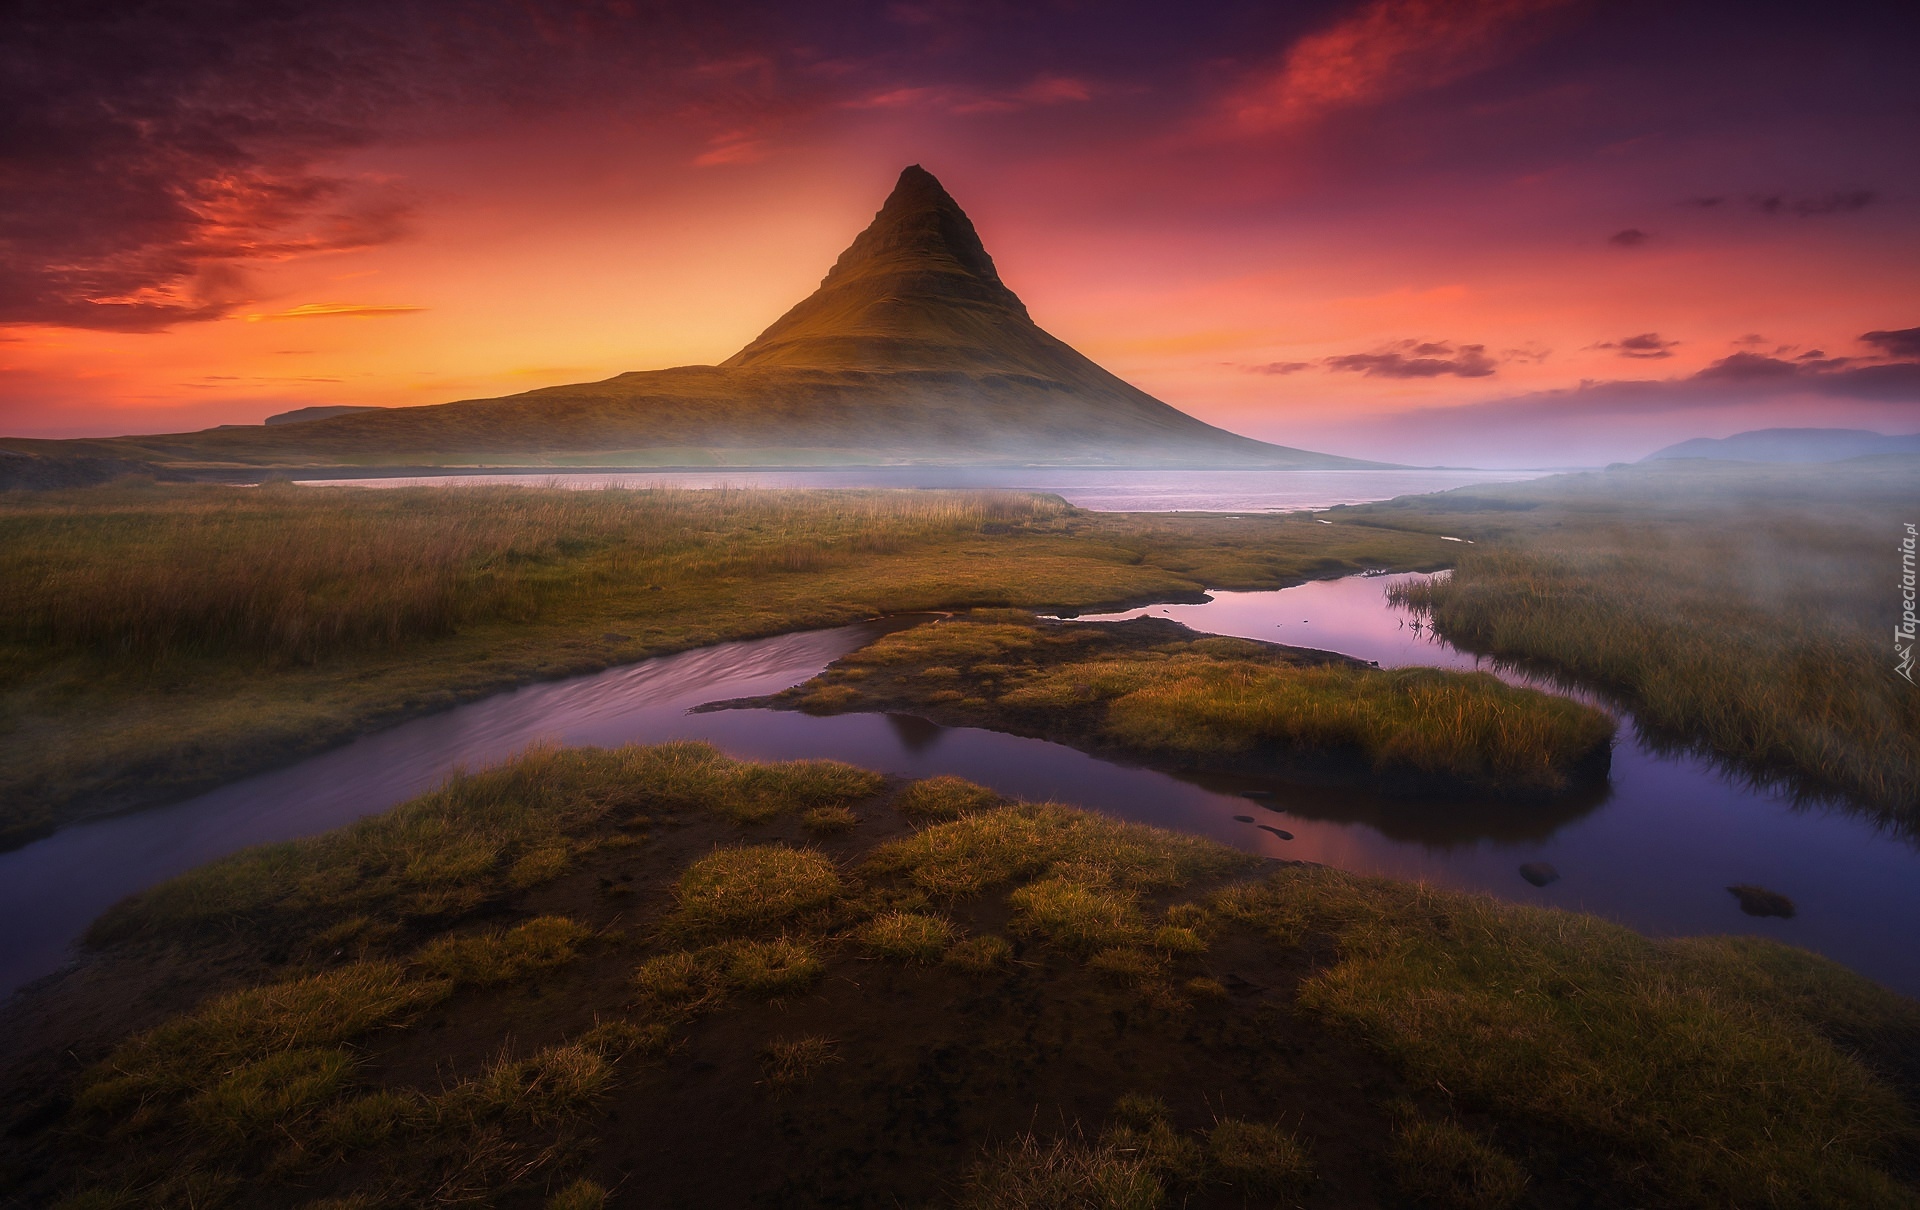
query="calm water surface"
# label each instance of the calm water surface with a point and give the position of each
(1103, 490)
(1655, 850)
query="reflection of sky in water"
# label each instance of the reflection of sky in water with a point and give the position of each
(1087, 487)
(1656, 853)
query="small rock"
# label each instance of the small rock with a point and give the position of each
(1539, 873)
(1284, 835)
(1243, 819)
(1759, 901)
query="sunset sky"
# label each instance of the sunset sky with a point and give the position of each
(1487, 232)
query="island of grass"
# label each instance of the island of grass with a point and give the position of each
(1153, 692)
(659, 977)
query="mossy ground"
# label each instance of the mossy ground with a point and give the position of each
(156, 641)
(987, 1004)
(1154, 692)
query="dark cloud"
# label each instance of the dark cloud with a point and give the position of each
(1841, 202)
(1899, 342)
(1648, 346)
(1632, 237)
(1704, 203)
(1280, 367)
(1417, 359)
(1751, 340)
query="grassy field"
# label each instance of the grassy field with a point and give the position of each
(1154, 692)
(163, 639)
(1746, 608)
(656, 976)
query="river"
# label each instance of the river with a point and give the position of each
(1656, 850)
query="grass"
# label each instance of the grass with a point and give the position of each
(1258, 1157)
(738, 888)
(1441, 1163)
(1613, 1038)
(504, 955)
(789, 1062)
(1155, 693)
(1064, 1174)
(907, 936)
(944, 797)
(161, 640)
(1231, 1032)
(1741, 608)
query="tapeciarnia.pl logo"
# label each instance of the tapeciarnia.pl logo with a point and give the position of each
(1903, 634)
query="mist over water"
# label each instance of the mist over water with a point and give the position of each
(1102, 489)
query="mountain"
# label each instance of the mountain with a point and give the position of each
(911, 350)
(1790, 445)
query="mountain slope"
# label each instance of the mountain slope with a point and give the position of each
(911, 350)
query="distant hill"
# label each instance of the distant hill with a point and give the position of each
(321, 412)
(911, 350)
(1790, 445)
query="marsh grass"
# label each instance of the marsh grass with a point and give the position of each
(791, 1062)
(748, 886)
(1441, 1163)
(1743, 608)
(292, 574)
(944, 797)
(478, 837)
(1727, 1073)
(1219, 702)
(502, 956)
(1064, 1174)
(978, 955)
(965, 856)
(1569, 1020)
(907, 936)
(578, 1195)
(1258, 1157)
(159, 641)
(308, 1015)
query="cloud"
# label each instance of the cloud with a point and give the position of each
(152, 155)
(1388, 49)
(1632, 237)
(1043, 90)
(1648, 346)
(1900, 342)
(1280, 367)
(1841, 202)
(1412, 359)
(337, 311)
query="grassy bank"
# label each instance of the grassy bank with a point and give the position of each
(1154, 692)
(655, 976)
(1746, 608)
(159, 640)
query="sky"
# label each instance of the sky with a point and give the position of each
(1468, 232)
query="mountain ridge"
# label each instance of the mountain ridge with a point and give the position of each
(1790, 445)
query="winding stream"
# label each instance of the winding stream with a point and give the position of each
(1656, 850)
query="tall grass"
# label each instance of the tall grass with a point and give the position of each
(1748, 611)
(296, 574)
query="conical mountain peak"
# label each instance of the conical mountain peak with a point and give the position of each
(916, 290)
(921, 228)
